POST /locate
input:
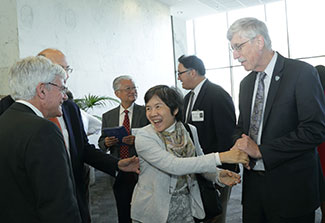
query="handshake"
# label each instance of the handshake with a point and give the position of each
(244, 148)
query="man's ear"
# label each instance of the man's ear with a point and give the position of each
(117, 93)
(175, 112)
(260, 41)
(41, 91)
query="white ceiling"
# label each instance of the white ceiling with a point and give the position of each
(189, 9)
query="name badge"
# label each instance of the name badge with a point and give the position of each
(197, 116)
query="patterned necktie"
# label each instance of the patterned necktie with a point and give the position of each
(256, 117)
(189, 109)
(124, 149)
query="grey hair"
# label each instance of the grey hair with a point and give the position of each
(249, 28)
(26, 74)
(117, 81)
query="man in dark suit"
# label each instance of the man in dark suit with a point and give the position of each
(80, 150)
(281, 121)
(5, 103)
(126, 91)
(211, 110)
(37, 181)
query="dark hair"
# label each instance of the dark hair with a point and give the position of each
(321, 72)
(193, 62)
(170, 96)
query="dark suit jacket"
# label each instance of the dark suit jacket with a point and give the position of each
(217, 129)
(111, 119)
(293, 125)
(36, 183)
(5, 103)
(82, 152)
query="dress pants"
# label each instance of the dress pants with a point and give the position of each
(224, 198)
(123, 189)
(256, 205)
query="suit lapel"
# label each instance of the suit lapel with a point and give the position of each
(247, 101)
(135, 114)
(114, 120)
(72, 141)
(274, 86)
(199, 100)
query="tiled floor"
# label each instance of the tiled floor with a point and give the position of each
(103, 208)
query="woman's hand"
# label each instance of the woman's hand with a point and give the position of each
(229, 178)
(234, 155)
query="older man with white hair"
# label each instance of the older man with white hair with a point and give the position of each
(38, 185)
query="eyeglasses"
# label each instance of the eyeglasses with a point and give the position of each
(62, 88)
(67, 69)
(128, 89)
(180, 73)
(238, 47)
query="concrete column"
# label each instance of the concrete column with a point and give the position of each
(9, 44)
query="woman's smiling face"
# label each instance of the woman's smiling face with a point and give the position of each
(159, 115)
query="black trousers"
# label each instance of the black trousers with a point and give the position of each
(256, 205)
(123, 189)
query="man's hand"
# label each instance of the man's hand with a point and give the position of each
(110, 141)
(229, 178)
(129, 164)
(247, 145)
(234, 156)
(129, 140)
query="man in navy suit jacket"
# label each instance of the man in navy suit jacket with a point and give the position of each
(285, 182)
(212, 112)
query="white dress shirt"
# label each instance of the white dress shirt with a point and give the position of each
(267, 81)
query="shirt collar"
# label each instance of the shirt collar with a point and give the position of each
(270, 67)
(37, 112)
(170, 128)
(130, 109)
(199, 86)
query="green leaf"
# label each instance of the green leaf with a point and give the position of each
(91, 101)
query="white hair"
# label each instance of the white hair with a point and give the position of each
(26, 74)
(249, 28)
(117, 81)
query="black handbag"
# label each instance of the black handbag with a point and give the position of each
(209, 194)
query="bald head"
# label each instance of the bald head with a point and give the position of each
(57, 57)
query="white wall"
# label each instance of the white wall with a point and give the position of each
(9, 51)
(102, 39)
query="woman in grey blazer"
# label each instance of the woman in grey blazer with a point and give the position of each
(167, 190)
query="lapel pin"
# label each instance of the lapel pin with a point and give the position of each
(277, 78)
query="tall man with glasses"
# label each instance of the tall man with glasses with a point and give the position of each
(281, 122)
(211, 110)
(130, 115)
(81, 151)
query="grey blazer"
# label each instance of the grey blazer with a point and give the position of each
(111, 119)
(158, 177)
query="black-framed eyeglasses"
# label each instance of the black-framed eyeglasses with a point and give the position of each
(67, 69)
(129, 89)
(238, 47)
(62, 88)
(180, 73)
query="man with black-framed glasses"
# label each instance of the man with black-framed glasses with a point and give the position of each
(211, 110)
(130, 115)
